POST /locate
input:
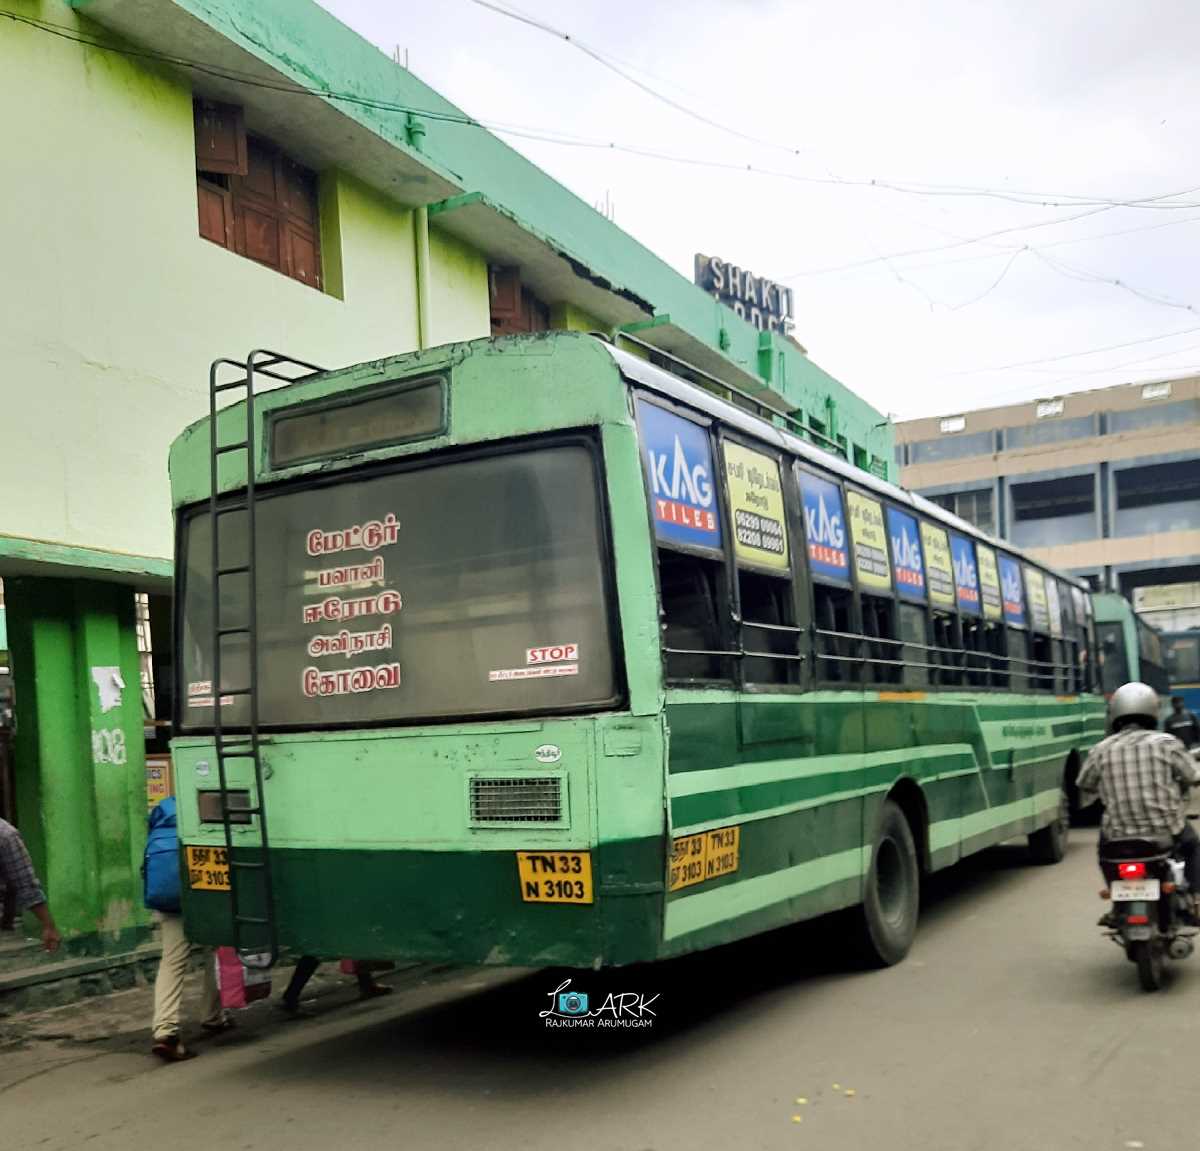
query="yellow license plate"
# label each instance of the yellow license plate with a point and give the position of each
(208, 868)
(555, 876)
(709, 855)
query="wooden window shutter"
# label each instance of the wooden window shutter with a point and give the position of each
(300, 222)
(216, 213)
(220, 138)
(504, 286)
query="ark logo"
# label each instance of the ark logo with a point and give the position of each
(618, 1009)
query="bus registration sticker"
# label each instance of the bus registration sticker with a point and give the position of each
(208, 868)
(555, 876)
(709, 855)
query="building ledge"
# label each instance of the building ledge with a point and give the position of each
(318, 130)
(547, 265)
(45, 558)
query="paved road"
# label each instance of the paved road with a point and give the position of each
(1012, 1025)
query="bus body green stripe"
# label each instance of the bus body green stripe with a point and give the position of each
(706, 908)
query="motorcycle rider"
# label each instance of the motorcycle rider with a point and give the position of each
(1142, 776)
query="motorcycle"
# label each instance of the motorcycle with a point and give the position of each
(1153, 914)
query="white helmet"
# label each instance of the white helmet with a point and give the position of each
(1133, 701)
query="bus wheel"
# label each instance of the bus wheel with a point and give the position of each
(888, 916)
(1049, 844)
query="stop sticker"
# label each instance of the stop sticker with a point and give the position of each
(552, 653)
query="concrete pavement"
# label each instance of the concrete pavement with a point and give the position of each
(1013, 1024)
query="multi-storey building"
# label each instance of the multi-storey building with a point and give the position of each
(1104, 483)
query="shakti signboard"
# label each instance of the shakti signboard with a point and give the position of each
(764, 303)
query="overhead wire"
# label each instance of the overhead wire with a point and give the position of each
(1086, 276)
(1044, 199)
(1094, 205)
(1074, 355)
(548, 136)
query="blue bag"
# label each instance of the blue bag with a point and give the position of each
(160, 865)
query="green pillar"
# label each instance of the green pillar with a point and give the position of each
(78, 753)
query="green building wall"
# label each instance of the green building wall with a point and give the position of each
(110, 312)
(80, 766)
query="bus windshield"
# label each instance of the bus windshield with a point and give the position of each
(1183, 658)
(456, 589)
(1114, 665)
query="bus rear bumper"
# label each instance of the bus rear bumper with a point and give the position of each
(448, 906)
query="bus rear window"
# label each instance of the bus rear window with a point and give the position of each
(460, 589)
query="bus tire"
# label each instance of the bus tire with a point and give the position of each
(892, 894)
(1049, 844)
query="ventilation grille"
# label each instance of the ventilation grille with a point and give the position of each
(517, 800)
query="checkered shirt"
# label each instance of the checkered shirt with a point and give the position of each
(1142, 778)
(16, 869)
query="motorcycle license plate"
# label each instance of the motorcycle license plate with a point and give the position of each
(1125, 890)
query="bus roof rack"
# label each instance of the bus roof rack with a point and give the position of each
(677, 366)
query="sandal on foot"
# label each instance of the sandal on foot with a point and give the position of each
(294, 1010)
(375, 991)
(170, 1049)
(220, 1028)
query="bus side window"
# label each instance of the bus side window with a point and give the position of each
(1018, 654)
(1043, 658)
(691, 626)
(833, 614)
(769, 627)
(915, 652)
(997, 649)
(1062, 669)
(881, 649)
(974, 647)
(949, 653)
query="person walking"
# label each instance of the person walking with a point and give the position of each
(1182, 724)
(160, 872)
(306, 965)
(21, 884)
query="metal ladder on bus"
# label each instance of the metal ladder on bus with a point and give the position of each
(251, 891)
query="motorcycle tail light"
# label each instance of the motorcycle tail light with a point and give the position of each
(1137, 920)
(1131, 870)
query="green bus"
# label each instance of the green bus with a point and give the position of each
(532, 651)
(1128, 647)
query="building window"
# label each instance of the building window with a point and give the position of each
(1051, 499)
(974, 506)
(1174, 483)
(952, 448)
(1053, 431)
(252, 198)
(141, 619)
(1155, 416)
(515, 309)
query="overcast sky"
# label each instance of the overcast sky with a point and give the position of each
(1069, 100)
